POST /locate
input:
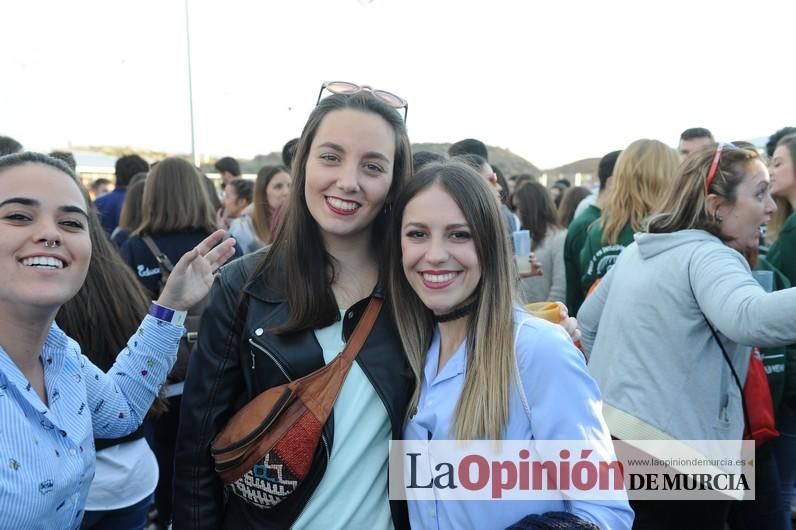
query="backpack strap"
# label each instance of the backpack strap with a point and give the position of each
(166, 266)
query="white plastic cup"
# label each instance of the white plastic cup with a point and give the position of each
(521, 241)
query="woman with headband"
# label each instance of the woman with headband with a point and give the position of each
(684, 351)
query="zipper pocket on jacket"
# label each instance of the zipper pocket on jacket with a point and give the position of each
(284, 372)
(272, 357)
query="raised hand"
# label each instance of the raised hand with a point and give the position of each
(192, 276)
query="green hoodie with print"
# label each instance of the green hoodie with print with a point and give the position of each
(597, 258)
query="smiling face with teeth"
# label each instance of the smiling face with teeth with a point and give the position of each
(40, 203)
(439, 257)
(349, 172)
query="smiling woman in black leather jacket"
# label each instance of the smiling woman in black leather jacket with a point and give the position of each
(284, 312)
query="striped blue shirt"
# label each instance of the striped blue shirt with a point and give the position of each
(47, 452)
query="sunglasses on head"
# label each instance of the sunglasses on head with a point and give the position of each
(346, 88)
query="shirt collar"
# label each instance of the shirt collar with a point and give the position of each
(455, 366)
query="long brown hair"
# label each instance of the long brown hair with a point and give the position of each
(110, 305)
(175, 199)
(684, 206)
(482, 411)
(297, 261)
(536, 210)
(784, 208)
(569, 204)
(263, 214)
(130, 216)
(643, 174)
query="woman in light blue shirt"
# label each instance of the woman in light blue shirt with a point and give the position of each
(53, 400)
(451, 279)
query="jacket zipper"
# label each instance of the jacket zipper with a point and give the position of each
(270, 356)
(284, 373)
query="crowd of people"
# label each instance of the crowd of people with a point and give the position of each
(271, 277)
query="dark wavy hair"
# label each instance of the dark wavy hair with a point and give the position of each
(110, 305)
(569, 204)
(298, 260)
(536, 210)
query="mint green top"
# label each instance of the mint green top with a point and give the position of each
(353, 491)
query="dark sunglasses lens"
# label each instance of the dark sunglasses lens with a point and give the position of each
(342, 87)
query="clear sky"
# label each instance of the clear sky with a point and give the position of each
(553, 81)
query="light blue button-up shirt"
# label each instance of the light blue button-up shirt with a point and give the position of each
(47, 452)
(565, 404)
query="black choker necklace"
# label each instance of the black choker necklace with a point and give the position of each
(456, 314)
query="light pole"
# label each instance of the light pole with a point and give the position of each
(190, 85)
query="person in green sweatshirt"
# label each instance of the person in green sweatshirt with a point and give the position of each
(782, 255)
(643, 174)
(576, 233)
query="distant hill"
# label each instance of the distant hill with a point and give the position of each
(117, 151)
(587, 168)
(508, 162)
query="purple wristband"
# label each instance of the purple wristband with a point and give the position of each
(167, 315)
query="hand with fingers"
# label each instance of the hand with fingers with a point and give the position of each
(536, 268)
(570, 324)
(193, 275)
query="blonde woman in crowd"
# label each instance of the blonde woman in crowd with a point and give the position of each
(642, 175)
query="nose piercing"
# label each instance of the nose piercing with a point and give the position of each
(48, 244)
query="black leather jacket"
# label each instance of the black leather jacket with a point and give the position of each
(228, 369)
